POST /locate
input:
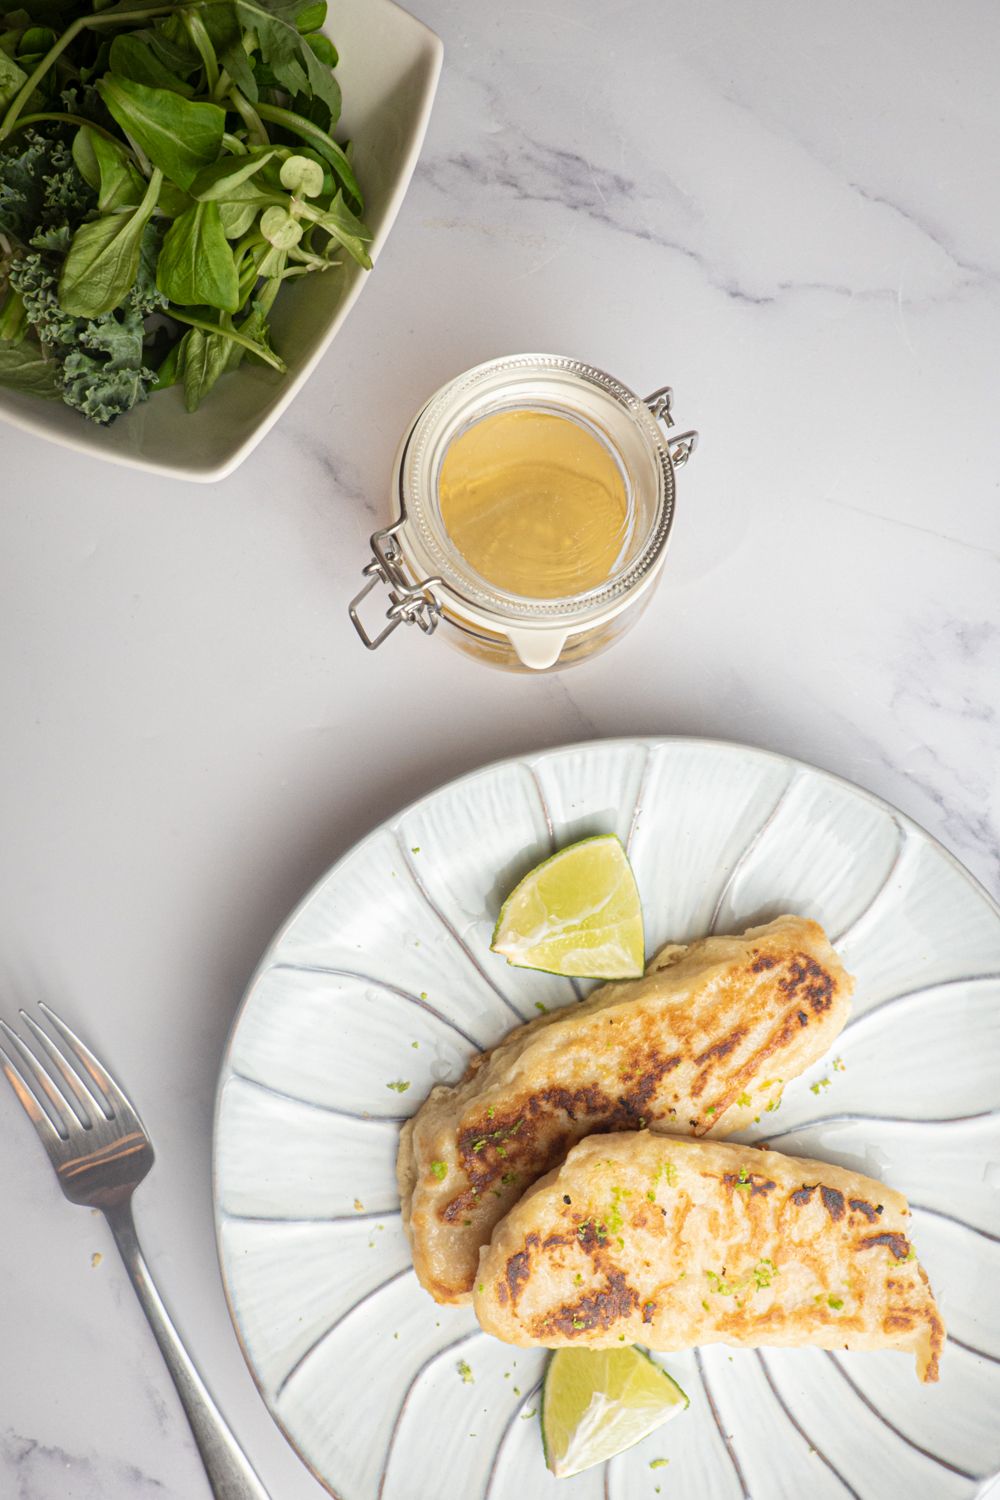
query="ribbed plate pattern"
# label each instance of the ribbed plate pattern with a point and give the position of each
(383, 975)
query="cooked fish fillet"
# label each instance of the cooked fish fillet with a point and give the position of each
(669, 1243)
(700, 1045)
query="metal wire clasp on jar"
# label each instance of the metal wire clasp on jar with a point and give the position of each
(551, 548)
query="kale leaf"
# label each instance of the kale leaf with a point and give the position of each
(40, 187)
(99, 362)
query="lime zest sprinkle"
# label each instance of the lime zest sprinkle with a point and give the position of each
(743, 1100)
(835, 1302)
(414, 848)
(525, 1415)
(440, 1170)
(764, 1273)
(465, 1370)
(540, 1007)
(399, 1086)
(658, 1463)
(821, 1083)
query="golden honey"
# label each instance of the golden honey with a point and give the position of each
(535, 503)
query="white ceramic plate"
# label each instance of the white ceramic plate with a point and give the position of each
(388, 72)
(384, 974)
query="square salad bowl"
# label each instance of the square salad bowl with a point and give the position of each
(388, 71)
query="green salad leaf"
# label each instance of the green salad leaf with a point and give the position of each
(12, 77)
(102, 264)
(133, 58)
(180, 136)
(196, 263)
(23, 367)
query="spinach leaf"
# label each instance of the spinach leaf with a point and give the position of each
(286, 52)
(11, 79)
(13, 318)
(221, 180)
(133, 59)
(345, 228)
(196, 265)
(173, 201)
(85, 157)
(103, 260)
(237, 217)
(201, 359)
(166, 375)
(107, 166)
(223, 26)
(178, 136)
(323, 48)
(310, 17)
(23, 367)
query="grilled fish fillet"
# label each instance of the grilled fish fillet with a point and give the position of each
(670, 1243)
(700, 1045)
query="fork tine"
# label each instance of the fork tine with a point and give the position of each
(118, 1101)
(59, 1105)
(80, 1092)
(29, 1101)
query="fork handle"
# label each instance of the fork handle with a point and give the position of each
(227, 1466)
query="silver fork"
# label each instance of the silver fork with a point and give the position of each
(101, 1152)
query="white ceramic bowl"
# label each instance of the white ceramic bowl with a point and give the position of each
(388, 71)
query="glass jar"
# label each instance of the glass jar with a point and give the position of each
(431, 583)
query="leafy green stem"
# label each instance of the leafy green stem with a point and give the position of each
(268, 292)
(198, 32)
(260, 350)
(250, 117)
(222, 86)
(62, 119)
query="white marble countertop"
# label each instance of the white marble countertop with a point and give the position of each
(789, 213)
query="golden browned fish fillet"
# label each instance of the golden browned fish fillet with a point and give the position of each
(700, 1045)
(670, 1243)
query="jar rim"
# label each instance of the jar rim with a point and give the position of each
(423, 536)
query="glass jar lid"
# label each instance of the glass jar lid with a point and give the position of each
(620, 421)
(428, 572)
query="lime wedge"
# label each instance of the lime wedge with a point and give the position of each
(597, 1402)
(577, 913)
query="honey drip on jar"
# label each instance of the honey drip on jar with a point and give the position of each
(535, 503)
